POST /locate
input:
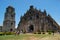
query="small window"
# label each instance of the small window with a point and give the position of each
(37, 16)
(12, 16)
(55, 27)
(11, 24)
(25, 19)
(11, 29)
(30, 18)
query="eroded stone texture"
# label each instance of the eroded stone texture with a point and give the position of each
(37, 21)
(9, 19)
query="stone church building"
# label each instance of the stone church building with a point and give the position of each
(37, 21)
(33, 21)
(9, 20)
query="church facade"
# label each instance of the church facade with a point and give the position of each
(9, 20)
(37, 21)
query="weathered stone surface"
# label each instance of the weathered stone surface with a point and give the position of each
(0, 28)
(37, 21)
(9, 20)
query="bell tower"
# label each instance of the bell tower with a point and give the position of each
(9, 19)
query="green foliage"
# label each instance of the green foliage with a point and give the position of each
(49, 31)
(39, 32)
(34, 32)
(43, 33)
(1, 33)
(7, 33)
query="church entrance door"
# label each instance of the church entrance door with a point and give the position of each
(31, 28)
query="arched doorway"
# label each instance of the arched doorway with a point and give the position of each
(31, 28)
(11, 30)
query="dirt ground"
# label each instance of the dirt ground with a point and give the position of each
(51, 37)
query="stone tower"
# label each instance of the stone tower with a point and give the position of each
(9, 19)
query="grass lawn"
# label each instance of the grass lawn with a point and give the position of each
(31, 37)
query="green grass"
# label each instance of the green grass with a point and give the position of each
(31, 37)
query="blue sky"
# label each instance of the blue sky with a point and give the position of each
(21, 6)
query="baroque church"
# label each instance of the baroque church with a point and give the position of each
(33, 21)
(37, 21)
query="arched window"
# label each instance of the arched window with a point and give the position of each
(37, 16)
(11, 15)
(30, 18)
(11, 30)
(11, 24)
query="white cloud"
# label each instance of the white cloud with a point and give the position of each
(58, 23)
(15, 26)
